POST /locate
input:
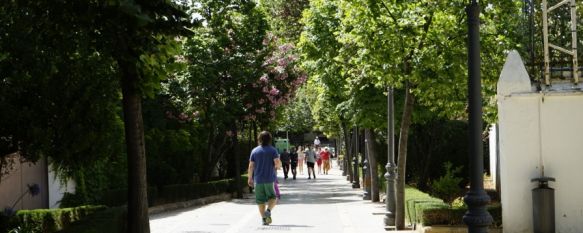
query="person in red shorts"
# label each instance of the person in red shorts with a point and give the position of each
(319, 160)
(325, 157)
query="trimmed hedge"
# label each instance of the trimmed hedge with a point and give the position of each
(111, 220)
(175, 193)
(185, 192)
(416, 200)
(119, 197)
(47, 220)
(436, 215)
(427, 210)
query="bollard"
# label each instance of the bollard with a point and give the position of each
(543, 206)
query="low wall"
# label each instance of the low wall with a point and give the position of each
(540, 133)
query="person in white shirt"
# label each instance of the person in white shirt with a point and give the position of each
(310, 160)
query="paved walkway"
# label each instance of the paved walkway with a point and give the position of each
(327, 204)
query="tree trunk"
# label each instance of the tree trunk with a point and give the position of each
(235, 152)
(348, 158)
(255, 134)
(346, 139)
(138, 221)
(373, 167)
(402, 159)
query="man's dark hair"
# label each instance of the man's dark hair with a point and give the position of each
(264, 138)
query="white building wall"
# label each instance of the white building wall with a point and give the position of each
(536, 130)
(493, 144)
(57, 188)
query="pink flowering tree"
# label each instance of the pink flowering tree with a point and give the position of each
(279, 80)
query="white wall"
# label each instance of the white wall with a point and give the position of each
(536, 130)
(493, 144)
(15, 183)
(57, 188)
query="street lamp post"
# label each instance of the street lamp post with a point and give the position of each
(356, 180)
(366, 180)
(391, 167)
(477, 217)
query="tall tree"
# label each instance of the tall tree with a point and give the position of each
(135, 39)
(284, 18)
(413, 46)
(237, 73)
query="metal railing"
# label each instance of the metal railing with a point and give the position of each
(573, 51)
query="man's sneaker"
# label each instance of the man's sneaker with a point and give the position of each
(267, 218)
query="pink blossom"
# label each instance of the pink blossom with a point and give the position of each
(260, 110)
(279, 69)
(273, 91)
(285, 47)
(261, 101)
(229, 133)
(248, 105)
(282, 62)
(263, 78)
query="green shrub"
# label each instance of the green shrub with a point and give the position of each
(414, 200)
(447, 186)
(184, 192)
(118, 197)
(454, 216)
(110, 220)
(47, 220)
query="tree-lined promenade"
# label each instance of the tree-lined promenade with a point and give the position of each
(326, 204)
(132, 97)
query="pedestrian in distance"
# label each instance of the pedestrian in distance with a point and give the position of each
(301, 158)
(294, 161)
(285, 162)
(310, 161)
(263, 163)
(325, 156)
(319, 160)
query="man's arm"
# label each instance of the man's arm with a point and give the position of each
(250, 173)
(277, 163)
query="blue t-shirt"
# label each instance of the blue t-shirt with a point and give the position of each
(264, 170)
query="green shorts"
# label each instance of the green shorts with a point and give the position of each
(264, 192)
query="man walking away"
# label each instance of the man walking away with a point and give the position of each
(294, 161)
(285, 161)
(262, 165)
(310, 160)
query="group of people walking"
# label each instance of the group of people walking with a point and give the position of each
(264, 162)
(295, 159)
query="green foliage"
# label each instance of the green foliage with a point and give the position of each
(447, 186)
(284, 17)
(415, 199)
(427, 210)
(119, 196)
(110, 220)
(296, 116)
(48, 220)
(443, 215)
(436, 141)
(185, 192)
